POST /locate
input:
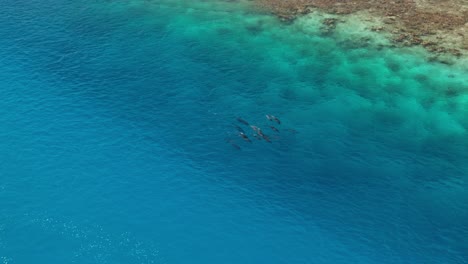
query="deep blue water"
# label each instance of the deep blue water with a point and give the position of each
(115, 116)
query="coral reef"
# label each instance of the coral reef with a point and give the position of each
(439, 26)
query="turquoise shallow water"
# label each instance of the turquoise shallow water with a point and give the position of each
(113, 125)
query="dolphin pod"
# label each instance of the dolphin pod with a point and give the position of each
(257, 131)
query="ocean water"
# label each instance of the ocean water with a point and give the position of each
(118, 139)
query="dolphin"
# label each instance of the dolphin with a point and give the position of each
(232, 143)
(256, 129)
(243, 121)
(245, 137)
(266, 138)
(274, 129)
(273, 118)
